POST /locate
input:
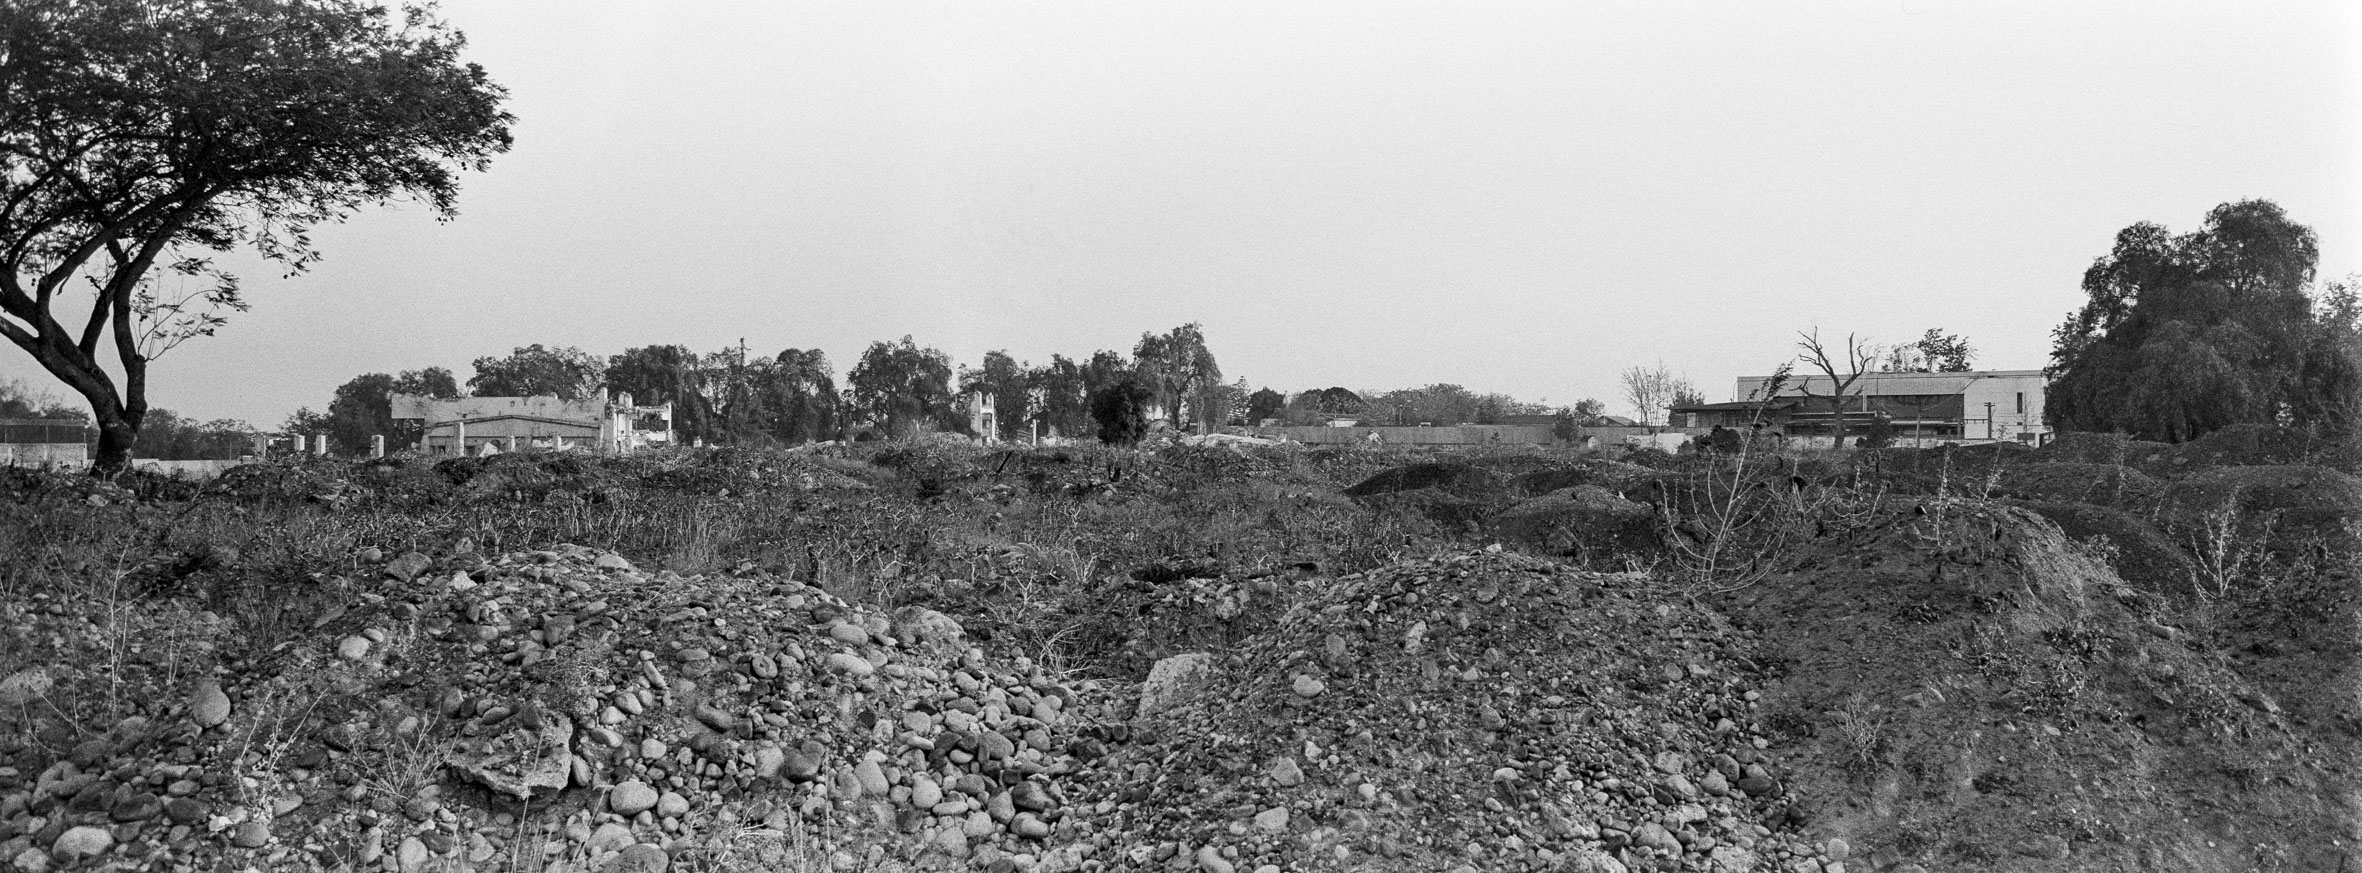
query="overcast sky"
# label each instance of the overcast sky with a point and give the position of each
(1515, 197)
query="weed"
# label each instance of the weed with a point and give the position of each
(1861, 733)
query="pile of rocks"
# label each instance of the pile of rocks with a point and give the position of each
(1477, 711)
(561, 710)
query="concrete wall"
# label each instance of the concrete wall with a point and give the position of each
(44, 454)
(2004, 393)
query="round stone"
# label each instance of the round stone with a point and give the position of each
(254, 834)
(1210, 860)
(631, 798)
(608, 838)
(1030, 827)
(850, 664)
(353, 648)
(137, 807)
(639, 858)
(924, 792)
(1307, 686)
(81, 842)
(208, 706)
(872, 779)
(672, 805)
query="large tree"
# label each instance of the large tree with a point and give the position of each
(1263, 405)
(902, 388)
(802, 393)
(2180, 335)
(1842, 367)
(136, 134)
(657, 375)
(1181, 376)
(363, 408)
(566, 373)
(1651, 390)
(1065, 397)
(1009, 384)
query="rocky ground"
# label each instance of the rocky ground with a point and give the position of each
(922, 663)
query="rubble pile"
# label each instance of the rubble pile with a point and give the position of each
(1474, 711)
(555, 710)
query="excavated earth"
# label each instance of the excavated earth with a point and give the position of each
(1925, 683)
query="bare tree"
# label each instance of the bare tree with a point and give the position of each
(1651, 389)
(1842, 372)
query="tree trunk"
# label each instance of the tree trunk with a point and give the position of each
(116, 436)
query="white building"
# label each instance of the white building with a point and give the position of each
(1972, 406)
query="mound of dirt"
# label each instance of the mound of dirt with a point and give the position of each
(553, 710)
(2249, 445)
(2107, 485)
(2154, 459)
(1964, 690)
(1475, 711)
(1945, 470)
(2136, 550)
(1587, 524)
(1457, 479)
(2297, 497)
(1612, 475)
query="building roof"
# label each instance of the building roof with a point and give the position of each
(1882, 384)
(1736, 405)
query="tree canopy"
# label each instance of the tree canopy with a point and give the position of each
(656, 375)
(137, 135)
(1652, 390)
(363, 408)
(1934, 352)
(1181, 376)
(566, 372)
(902, 388)
(2181, 335)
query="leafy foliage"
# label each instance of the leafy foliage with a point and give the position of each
(139, 134)
(1181, 376)
(2183, 335)
(1934, 352)
(656, 375)
(800, 393)
(19, 400)
(363, 408)
(169, 437)
(1121, 411)
(566, 372)
(1264, 403)
(902, 388)
(1009, 384)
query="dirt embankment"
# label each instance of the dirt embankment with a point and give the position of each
(1964, 689)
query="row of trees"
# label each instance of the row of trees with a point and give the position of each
(1441, 404)
(898, 388)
